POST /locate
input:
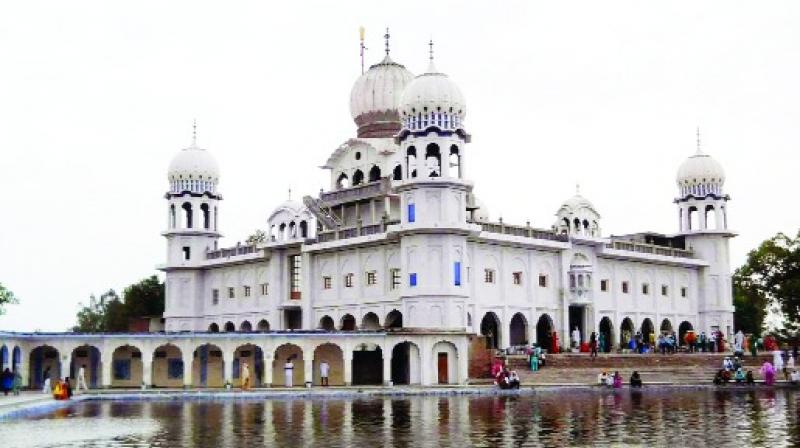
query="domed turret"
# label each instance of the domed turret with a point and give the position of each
(701, 199)
(432, 99)
(193, 169)
(700, 175)
(291, 220)
(375, 97)
(578, 216)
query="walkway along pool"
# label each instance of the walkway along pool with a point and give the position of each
(656, 416)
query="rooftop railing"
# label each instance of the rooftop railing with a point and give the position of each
(352, 232)
(642, 248)
(359, 192)
(523, 231)
(230, 252)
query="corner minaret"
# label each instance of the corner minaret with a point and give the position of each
(192, 230)
(703, 222)
(433, 197)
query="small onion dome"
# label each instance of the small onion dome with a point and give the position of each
(193, 169)
(375, 97)
(576, 203)
(432, 100)
(700, 169)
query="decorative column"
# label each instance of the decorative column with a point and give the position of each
(147, 371)
(268, 358)
(308, 370)
(387, 366)
(348, 368)
(105, 365)
(227, 367)
(188, 356)
(462, 358)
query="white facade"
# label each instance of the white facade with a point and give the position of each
(400, 240)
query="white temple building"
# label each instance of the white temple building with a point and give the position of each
(394, 266)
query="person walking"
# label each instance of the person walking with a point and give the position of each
(245, 376)
(324, 371)
(288, 372)
(80, 382)
(7, 381)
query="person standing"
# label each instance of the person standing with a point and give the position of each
(17, 381)
(7, 381)
(245, 376)
(46, 389)
(593, 345)
(288, 372)
(81, 380)
(324, 371)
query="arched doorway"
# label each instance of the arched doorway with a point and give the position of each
(254, 358)
(288, 353)
(168, 368)
(370, 322)
(213, 328)
(208, 366)
(405, 364)
(394, 319)
(263, 325)
(4, 358)
(44, 363)
(445, 362)
(626, 332)
(333, 355)
(326, 323)
(367, 365)
(544, 332)
(127, 369)
(607, 332)
(230, 327)
(348, 322)
(666, 327)
(684, 328)
(246, 327)
(518, 330)
(647, 329)
(490, 329)
(88, 358)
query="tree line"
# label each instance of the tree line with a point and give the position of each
(112, 313)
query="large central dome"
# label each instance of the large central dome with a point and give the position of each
(375, 98)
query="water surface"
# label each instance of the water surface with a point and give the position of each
(654, 417)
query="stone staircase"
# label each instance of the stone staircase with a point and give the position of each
(653, 368)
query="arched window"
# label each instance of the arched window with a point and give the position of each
(711, 217)
(455, 161)
(397, 174)
(342, 182)
(292, 230)
(411, 162)
(206, 216)
(172, 216)
(374, 173)
(282, 232)
(358, 178)
(585, 227)
(187, 215)
(694, 222)
(433, 160)
(576, 229)
(303, 229)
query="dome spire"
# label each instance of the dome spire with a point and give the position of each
(699, 151)
(194, 133)
(431, 66)
(386, 38)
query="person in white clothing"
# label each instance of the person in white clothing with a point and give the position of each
(245, 374)
(288, 372)
(324, 370)
(81, 380)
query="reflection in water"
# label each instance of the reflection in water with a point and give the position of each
(656, 417)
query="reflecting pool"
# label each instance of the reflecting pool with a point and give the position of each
(655, 417)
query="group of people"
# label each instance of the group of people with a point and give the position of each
(537, 358)
(615, 380)
(504, 378)
(733, 369)
(62, 390)
(11, 381)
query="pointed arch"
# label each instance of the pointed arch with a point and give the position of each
(518, 330)
(433, 160)
(342, 181)
(490, 329)
(397, 174)
(374, 173)
(455, 161)
(358, 177)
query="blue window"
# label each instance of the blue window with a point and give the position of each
(174, 368)
(412, 215)
(457, 273)
(412, 279)
(122, 369)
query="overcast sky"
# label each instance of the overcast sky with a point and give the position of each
(97, 97)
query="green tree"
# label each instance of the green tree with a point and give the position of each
(258, 237)
(7, 297)
(750, 307)
(93, 318)
(145, 298)
(771, 275)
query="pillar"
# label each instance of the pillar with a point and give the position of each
(188, 356)
(147, 371)
(105, 364)
(308, 368)
(462, 358)
(268, 358)
(505, 330)
(348, 367)
(227, 367)
(387, 366)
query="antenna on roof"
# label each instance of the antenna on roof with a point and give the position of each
(386, 37)
(362, 47)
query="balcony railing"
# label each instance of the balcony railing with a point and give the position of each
(642, 248)
(352, 232)
(523, 231)
(230, 252)
(360, 192)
